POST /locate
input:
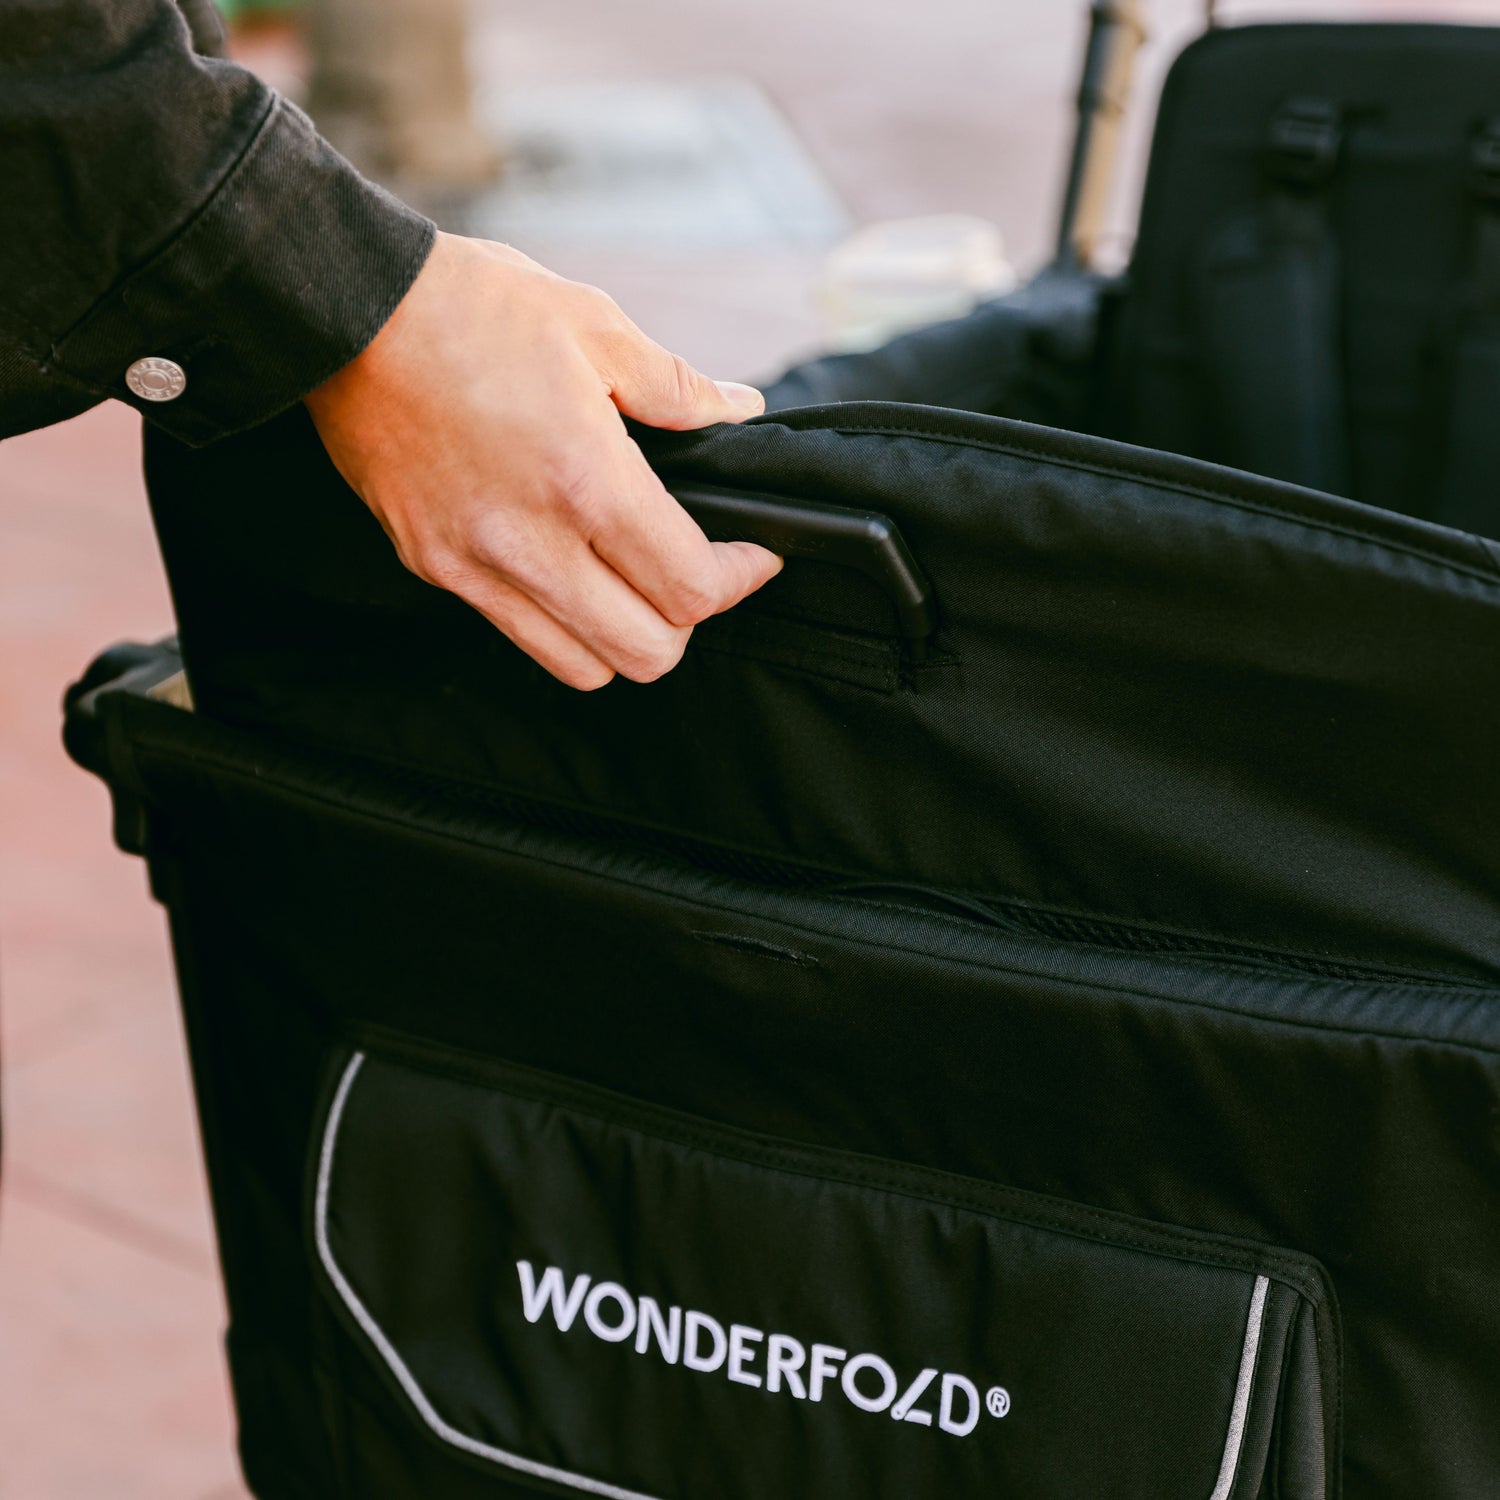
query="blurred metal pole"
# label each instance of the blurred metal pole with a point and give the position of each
(1116, 30)
(391, 89)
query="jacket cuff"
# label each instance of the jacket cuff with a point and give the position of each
(281, 278)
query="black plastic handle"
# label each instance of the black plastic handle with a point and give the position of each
(860, 539)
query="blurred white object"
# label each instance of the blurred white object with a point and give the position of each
(903, 273)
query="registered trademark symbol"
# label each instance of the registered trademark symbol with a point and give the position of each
(997, 1401)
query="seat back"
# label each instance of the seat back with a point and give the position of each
(1102, 1000)
(1315, 290)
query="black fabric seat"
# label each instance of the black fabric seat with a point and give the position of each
(1057, 1054)
(1314, 289)
(1315, 263)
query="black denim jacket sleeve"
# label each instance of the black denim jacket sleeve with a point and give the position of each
(155, 201)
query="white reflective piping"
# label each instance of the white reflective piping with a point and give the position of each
(425, 1409)
(1241, 1409)
(397, 1365)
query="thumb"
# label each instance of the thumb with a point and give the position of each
(663, 390)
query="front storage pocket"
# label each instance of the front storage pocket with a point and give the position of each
(576, 1290)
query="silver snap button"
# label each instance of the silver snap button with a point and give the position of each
(154, 379)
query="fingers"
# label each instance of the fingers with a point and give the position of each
(627, 570)
(565, 603)
(602, 611)
(599, 572)
(553, 566)
(664, 390)
(653, 544)
(482, 427)
(585, 623)
(743, 568)
(537, 634)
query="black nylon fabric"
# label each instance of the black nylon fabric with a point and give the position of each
(1032, 355)
(1162, 694)
(1165, 886)
(1401, 214)
(1350, 1120)
(610, 1285)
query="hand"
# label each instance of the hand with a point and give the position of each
(482, 427)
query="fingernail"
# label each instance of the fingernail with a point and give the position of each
(743, 398)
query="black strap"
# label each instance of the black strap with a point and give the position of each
(1466, 470)
(1484, 180)
(1271, 311)
(1303, 143)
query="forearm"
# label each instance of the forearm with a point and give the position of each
(163, 204)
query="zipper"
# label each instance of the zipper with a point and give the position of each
(1012, 918)
(1017, 919)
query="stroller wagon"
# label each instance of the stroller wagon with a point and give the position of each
(1017, 1011)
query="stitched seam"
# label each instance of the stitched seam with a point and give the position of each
(850, 671)
(1435, 989)
(196, 226)
(1200, 491)
(392, 820)
(1181, 487)
(360, 342)
(1292, 965)
(402, 766)
(801, 1162)
(412, 1388)
(191, 227)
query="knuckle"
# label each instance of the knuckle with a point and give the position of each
(441, 568)
(492, 543)
(600, 307)
(691, 603)
(572, 487)
(648, 663)
(588, 679)
(680, 382)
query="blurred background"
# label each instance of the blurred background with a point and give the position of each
(729, 173)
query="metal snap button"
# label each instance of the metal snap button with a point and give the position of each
(154, 379)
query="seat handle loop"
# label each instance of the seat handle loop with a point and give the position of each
(864, 540)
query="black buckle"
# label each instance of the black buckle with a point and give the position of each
(1484, 162)
(1303, 146)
